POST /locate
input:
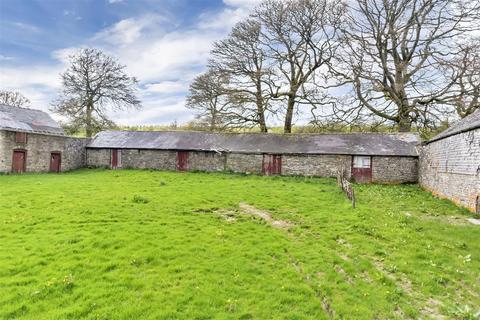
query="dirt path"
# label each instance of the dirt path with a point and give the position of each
(251, 210)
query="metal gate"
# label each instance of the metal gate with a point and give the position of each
(272, 164)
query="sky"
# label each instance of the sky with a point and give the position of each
(163, 43)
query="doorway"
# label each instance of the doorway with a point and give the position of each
(182, 160)
(55, 161)
(362, 169)
(19, 161)
(272, 164)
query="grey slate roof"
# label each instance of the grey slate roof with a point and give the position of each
(354, 143)
(27, 120)
(468, 123)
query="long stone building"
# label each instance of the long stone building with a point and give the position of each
(383, 158)
(450, 163)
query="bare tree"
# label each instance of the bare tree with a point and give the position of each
(465, 71)
(13, 98)
(208, 98)
(243, 58)
(301, 37)
(394, 49)
(94, 84)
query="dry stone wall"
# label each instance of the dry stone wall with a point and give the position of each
(394, 169)
(315, 165)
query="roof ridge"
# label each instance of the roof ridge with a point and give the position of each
(264, 133)
(25, 108)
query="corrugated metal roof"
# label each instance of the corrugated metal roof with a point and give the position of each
(468, 123)
(27, 120)
(402, 144)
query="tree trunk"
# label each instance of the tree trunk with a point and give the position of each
(289, 114)
(404, 123)
(88, 119)
(261, 109)
(213, 121)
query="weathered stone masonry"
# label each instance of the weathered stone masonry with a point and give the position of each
(38, 151)
(385, 169)
(450, 168)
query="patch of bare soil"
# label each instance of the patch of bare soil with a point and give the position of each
(262, 214)
(228, 215)
(431, 310)
(398, 278)
(453, 220)
(474, 221)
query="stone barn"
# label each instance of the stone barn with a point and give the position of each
(450, 163)
(30, 140)
(367, 157)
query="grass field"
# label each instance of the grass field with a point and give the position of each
(157, 245)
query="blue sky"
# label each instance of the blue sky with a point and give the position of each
(164, 43)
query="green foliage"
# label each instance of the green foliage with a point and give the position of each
(140, 199)
(77, 245)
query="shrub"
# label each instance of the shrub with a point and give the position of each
(140, 199)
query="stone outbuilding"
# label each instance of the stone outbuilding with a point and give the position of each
(450, 163)
(367, 157)
(30, 140)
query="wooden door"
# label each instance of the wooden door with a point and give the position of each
(19, 161)
(114, 159)
(55, 161)
(362, 169)
(272, 164)
(182, 160)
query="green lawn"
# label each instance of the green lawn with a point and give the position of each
(164, 245)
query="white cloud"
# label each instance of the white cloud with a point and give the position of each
(223, 20)
(6, 58)
(114, 1)
(162, 55)
(127, 31)
(166, 87)
(26, 27)
(242, 3)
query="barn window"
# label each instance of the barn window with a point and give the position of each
(20, 137)
(362, 162)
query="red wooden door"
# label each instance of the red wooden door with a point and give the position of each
(272, 164)
(362, 169)
(182, 160)
(114, 159)
(55, 161)
(19, 161)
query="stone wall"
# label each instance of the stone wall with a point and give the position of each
(39, 148)
(394, 169)
(157, 159)
(98, 158)
(385, 169)
(148, 159)
(3, 152)
(244, 163)
(450, 168)
(206, 161)
(315, 165)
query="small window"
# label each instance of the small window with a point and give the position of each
(362, 162)
(20, 137)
